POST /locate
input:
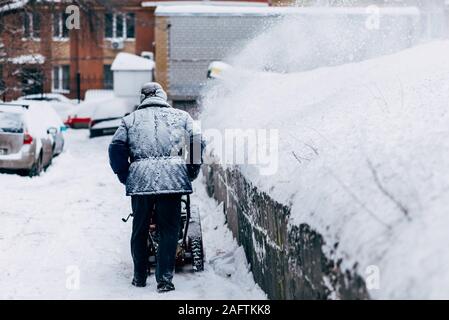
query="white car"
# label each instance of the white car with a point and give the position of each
(101, 112)
(60, 103)
(108, 115)
(81, 117)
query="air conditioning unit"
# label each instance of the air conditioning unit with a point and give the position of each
(117, 44)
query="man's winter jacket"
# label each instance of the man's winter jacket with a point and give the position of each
(149, 150)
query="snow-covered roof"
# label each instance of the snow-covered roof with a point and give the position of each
(28, 59)
(147, 4)
(214, 10)
(130, 62)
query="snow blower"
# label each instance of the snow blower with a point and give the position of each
(190, 249)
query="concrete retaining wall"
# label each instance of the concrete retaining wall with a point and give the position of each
(287, 261)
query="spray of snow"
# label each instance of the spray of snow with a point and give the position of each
(363, 150)
(317, 37)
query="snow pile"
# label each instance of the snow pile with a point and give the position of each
(363, 158)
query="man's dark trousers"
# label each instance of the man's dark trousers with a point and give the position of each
(168, 216)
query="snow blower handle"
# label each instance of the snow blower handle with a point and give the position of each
(125, 220)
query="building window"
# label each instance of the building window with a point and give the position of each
(61, 79)
(108, 25)
(131, 25)
(60, 30)
(120, 25)
(108, 77)
(31, 25)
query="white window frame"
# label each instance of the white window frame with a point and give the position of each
(125, 27)
(61, 79)
(31, 28)
(60, 37)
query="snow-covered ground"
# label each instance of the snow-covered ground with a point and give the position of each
(68, 222)
(363, 158)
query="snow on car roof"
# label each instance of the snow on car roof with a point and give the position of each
(43, 109)
(213, 10)
(106, 107)
(39, 115)
(129, 62)
(111, 108)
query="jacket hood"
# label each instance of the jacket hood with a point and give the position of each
(154, 102)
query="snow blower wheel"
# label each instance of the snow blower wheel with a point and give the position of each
(195, 241)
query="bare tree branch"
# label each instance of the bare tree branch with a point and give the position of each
(384, 191)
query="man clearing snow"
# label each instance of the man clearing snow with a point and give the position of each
(147, 154)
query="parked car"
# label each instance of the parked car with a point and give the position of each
(81, 117)
(101, 113)
(53, 124)
(108, 115)
(60, 103)
(29, 138)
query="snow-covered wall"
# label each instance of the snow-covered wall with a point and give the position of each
(363, 158)
(287, 262)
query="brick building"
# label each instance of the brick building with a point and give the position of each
(39, 54)
(42, 55)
